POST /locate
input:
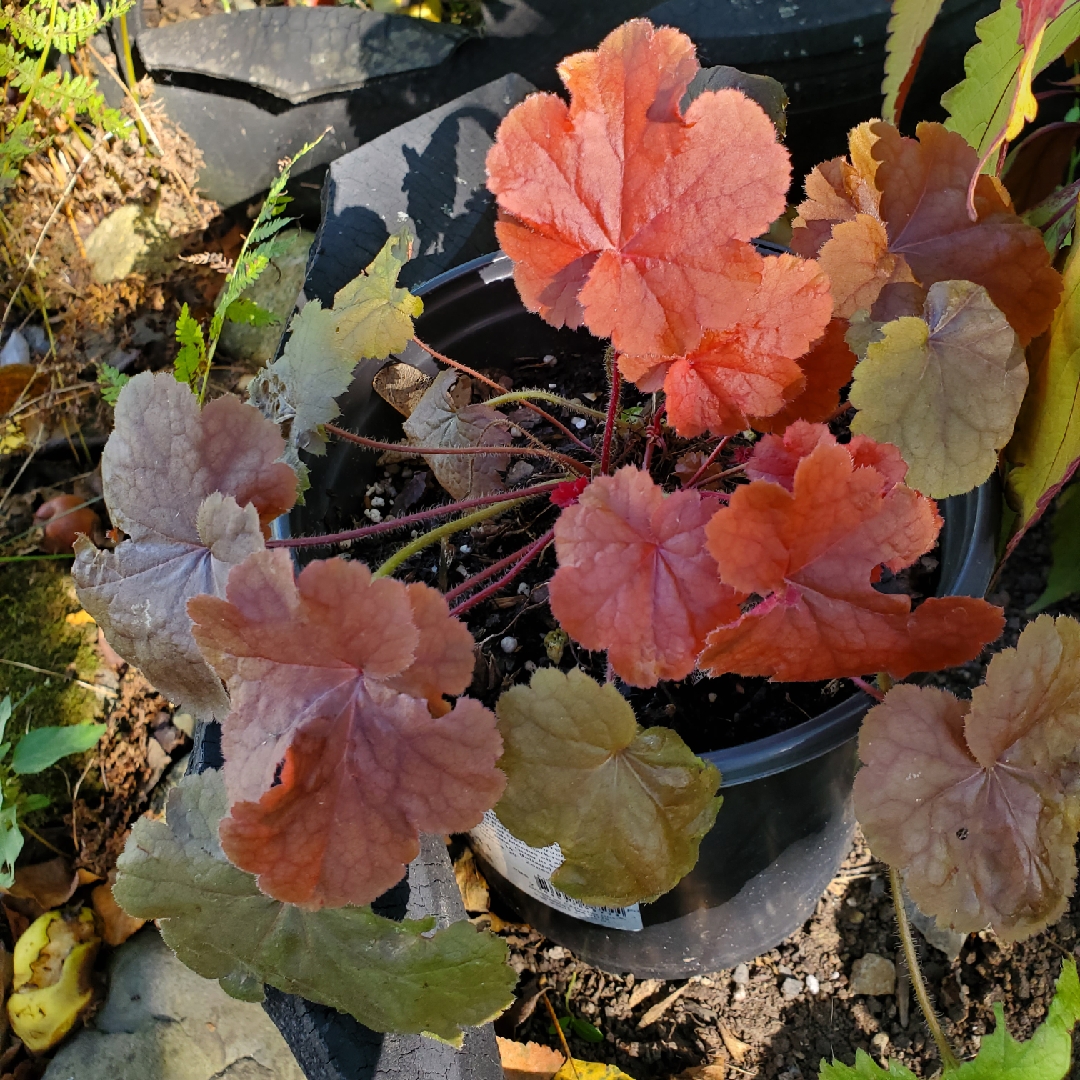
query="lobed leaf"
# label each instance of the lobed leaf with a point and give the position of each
(827, 369)
(371, 318)
(340, 748)
(634, 577)
(193, 490)
(627, 807)
(909, 28)
(921, 231)
(750, 368)
(444, 417)
(944, 388)
(1047, 1055)
(865, 1068)
(812, 555)
(1045, 449)
(976, 801)
(979, 106)
(617, 210)
(391, 976)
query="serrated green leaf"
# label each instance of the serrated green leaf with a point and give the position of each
(27, 804)
(385, 973)
(910, 23)
(45, 746)
(628, 807)
(1064, 577)
(371, 318)
(979, 106)
(1046, 442)
(865, 1068)
(1047, 1055)
(247, 312)
(189, 361)
(111, 382)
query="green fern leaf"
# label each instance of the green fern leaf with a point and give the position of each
(191, 359)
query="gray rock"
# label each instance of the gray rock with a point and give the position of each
(945, 938)
(276, 291)
(873, 974)
(791, 989)
(741, 975)
(129, 239)
(161, 1021)
(16, 350)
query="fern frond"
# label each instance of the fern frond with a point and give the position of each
(29, 24)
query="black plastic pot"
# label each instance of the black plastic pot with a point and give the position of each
(787, 821)
(254, 86)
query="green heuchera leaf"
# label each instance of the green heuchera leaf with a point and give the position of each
(979, 106)
(371, 318)
(45, 746)
(1047, 1055)
(1064, 577)
(865, 1068)
(627, 807)
(1046, 442)
(384, 973)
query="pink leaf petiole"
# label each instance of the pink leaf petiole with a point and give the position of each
(526, 557)
(707, 462)
(405, 448)
(412, 519)
(612, 413)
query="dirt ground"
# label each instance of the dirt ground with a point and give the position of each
(760, 1032)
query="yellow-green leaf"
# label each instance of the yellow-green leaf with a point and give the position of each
(392, 976)
(1045, 448)
(944, 388)
(979, 106)
(371, 318)
(589, 1070)
(910, 23)
(627, 807)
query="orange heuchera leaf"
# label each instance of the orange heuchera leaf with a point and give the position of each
(191, 488)
(777, 457)
(750, 368)
(921, 231)
(624, 214)
(827, 369)
(340, 748)
(812, 554)
(634, 576)
(976, 800)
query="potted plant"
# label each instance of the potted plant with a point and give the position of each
(778, 555)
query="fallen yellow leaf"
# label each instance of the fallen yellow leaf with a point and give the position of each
(528, 1061)
(79, 618)
(589, 1070)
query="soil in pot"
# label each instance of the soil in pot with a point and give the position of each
(743, 1020)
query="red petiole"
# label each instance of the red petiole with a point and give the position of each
(413, 519)
(526, 557)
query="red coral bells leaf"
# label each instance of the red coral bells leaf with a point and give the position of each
(777, 457)
(625, 215)
(827, 369)
(566, 494)
(635, 579)
(811, 554)
(334, 761)
(750, 368)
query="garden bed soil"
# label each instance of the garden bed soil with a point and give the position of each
(767, 1034)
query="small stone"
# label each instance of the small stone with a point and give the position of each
(508, 644)
(557, 952)
(530, 666)
(378, 501)
(812, 984)
(880, 1043)
(551, 385)
(741, 975)
(791, 989)
(524, 589)
(579, 422)
(16, 350)
(783, 969)
(739, 995)
(712, 699)
(874, 975)
(549, 361)
(464, 549)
